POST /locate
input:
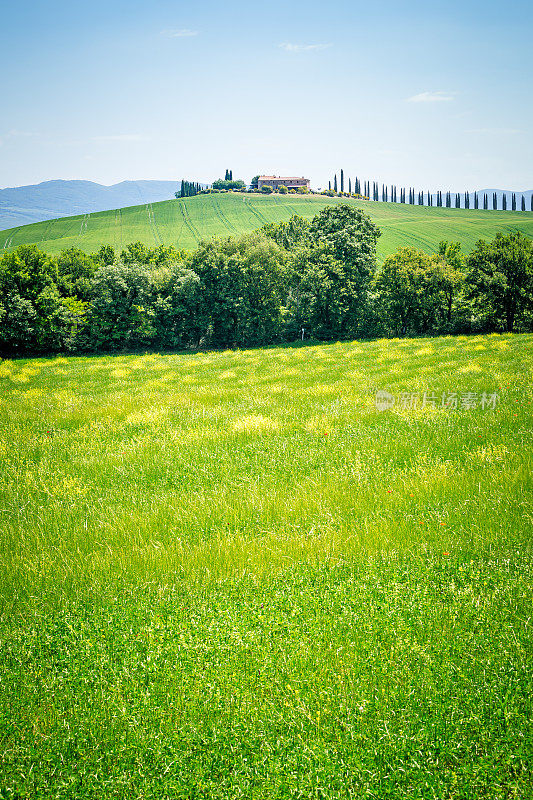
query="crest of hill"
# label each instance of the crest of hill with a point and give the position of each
(184, 222)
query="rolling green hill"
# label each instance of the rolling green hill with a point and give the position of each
(184, 222)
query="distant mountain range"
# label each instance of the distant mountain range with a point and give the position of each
(51, 199)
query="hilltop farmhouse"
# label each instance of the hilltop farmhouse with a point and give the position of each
(275, 182)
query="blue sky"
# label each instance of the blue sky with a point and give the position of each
(431, 94)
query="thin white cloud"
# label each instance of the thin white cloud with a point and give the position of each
(120, 137)
(302, 48)
(494, 131)
(16, 134)
(179, 33)
(432, 97)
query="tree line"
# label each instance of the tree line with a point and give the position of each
(373, 191)
(315, 276)
(188, 189)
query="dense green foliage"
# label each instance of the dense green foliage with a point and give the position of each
(228, 184)
(188, 189)
(183, 223)
(227, 576)
(293, 279)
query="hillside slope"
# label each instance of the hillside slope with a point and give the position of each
(184, 222)
(22, 205)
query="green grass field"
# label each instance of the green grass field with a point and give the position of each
(184, 222)
(228, 575)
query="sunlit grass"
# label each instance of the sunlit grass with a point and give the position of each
(229, 575)
(183, 222)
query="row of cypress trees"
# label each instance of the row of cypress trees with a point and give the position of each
(422, 198)
(188, 189)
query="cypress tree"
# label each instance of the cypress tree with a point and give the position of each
(523, 203)
(504, 202)
(231, 174)
(335, 183)
(476, 200)
(342, 180)
(513, 202)
(467, 199)
(485, 202)
(494, 201)
(329, 186)
(350, 185)
(531, 202)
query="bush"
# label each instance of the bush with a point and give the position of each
(229, 185)
(303, 190)
(282, 189)
(267, 189)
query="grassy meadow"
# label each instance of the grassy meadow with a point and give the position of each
(184, 222)
(228, 575)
